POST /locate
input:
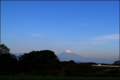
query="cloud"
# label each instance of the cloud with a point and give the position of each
(100, 43)
(68, 51)
(79, 43)
(114, 36)
(34, 34)
(90, 43)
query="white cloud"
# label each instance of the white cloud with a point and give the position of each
(90, 43)
(99, 43)
(34, 34)
(79, 43)
(114, 36)
(68, 51)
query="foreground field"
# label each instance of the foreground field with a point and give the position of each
(28, 77)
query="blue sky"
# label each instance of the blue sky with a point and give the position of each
(88, 28)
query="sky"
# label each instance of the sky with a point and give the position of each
(87, 28)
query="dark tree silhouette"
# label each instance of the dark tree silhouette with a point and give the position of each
(117, 62)
(71, 61)
(4, 49)
(8, 61)
(38, 61)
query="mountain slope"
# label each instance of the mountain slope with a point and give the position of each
(72, 56)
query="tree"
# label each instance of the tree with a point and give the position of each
(4, 49)
(117, 62)
(38, 61)
(8, 61)
(71, 61)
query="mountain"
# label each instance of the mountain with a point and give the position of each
(72, 56)
(18, 54)
(69, 56)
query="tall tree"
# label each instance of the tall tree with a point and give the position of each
(38, 61)
(117, 62)
(8, 61)
(4, 49)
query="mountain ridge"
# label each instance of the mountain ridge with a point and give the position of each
(72, 56)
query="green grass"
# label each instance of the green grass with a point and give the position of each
(28, 77)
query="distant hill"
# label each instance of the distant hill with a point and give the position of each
(18, 54)
(72, 56)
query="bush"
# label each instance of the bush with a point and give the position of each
(21, 73)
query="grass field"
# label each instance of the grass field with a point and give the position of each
(28, 77)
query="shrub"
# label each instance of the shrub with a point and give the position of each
(21, 74)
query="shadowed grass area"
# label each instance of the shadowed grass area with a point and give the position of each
(29, 77)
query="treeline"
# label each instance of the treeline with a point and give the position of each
(46, 63)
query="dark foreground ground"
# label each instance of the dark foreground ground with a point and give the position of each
(29, 77)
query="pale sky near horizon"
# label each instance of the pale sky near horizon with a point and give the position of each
(87, 28)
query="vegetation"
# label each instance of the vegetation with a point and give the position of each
(117, 62)
(27, 77)
(45, 63)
